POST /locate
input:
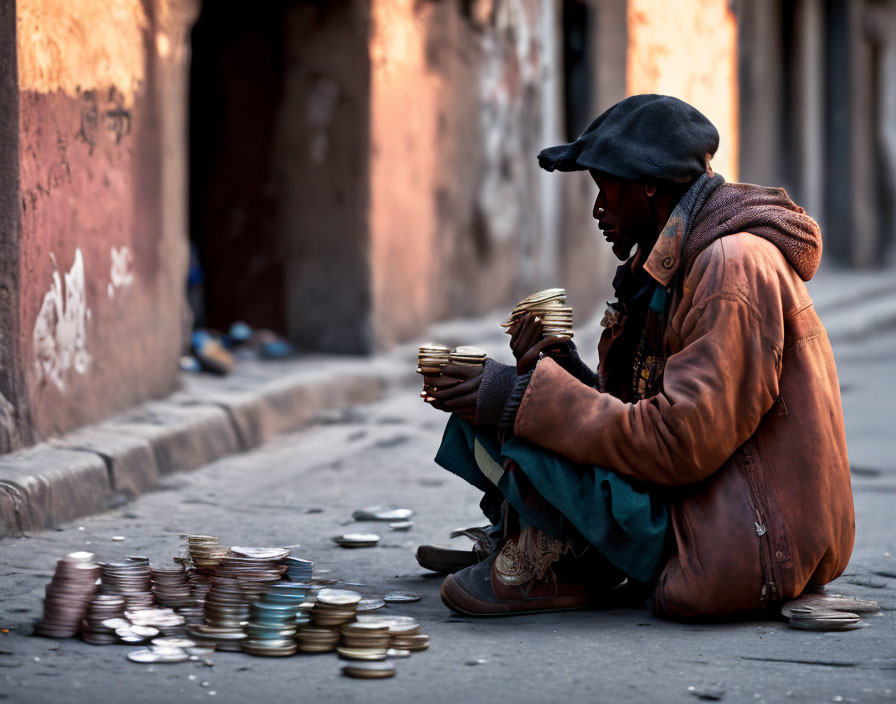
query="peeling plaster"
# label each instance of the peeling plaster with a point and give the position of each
(120, 273)
(60, 334)
(81, 46)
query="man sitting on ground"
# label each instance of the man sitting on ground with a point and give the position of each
(705, 459)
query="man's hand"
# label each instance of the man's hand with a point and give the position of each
(527, 343)
(456, 390)
(524, 334)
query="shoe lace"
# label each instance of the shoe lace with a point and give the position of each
(483, 543)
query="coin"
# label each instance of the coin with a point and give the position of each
(401, 597)
(274, 554)
(153, 655)
(338, 597)
(361, 653)
(357, 540)
(402, 525)
(371, 604)
(369, 670)
(382, 513)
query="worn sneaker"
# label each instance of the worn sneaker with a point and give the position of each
(447, 561)
(532, 572)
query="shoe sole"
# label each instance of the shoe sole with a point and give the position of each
(446, 567)
(457, 599)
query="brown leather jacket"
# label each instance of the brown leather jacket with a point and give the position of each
(748, 422)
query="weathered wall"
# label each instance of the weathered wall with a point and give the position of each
(463, 97)
(103, 249)
(689, 50)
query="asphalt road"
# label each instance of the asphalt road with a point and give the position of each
(301, 490)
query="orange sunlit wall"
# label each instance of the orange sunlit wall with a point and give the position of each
(688, 48)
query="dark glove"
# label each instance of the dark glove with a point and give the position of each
(567, 356)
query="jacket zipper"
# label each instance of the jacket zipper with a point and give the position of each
(769, 587)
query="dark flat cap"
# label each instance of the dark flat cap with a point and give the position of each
(644, 136)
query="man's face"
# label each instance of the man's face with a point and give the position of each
(623, 213)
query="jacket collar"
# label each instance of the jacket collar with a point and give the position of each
(665, 258)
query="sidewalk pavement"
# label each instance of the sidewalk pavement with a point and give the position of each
(102, 466)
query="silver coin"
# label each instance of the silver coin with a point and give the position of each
(338, 597)
(174, 642)
(382, 513)
(158, 656)
(356, 540)
(402, 525)
(371, 604)
(401, 597)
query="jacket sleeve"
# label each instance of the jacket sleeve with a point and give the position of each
(715, 391)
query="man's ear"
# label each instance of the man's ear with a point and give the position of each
(650, 189)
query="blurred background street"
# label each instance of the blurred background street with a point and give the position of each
(227, 225)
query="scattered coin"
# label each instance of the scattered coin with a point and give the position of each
(382, 513)
(357, 540)
(402, 525)
(370, 604)
(152, 656)
(369, 670)
(401, 597)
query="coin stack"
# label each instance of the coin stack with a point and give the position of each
(205, 551)
(312, 639)
(468, 356)
(272, 622)
(364, 641)
(431, 358)
(403, 630)
(550, 306)
(227, 604)
(68, 596)
(170, 587)
(102, 608)
(130, 579)
(199, 586)
(298, 570)
(335, 607)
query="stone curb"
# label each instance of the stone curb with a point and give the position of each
(102, 466)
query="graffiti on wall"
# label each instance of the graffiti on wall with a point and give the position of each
(120, 274)
(60, 331)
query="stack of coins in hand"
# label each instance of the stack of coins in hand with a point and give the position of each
(549, 305)
(431, 358)
(102, 608)
(467, 356)
(68, 596)
(170, 586)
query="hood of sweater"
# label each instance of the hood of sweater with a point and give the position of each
(765, 212)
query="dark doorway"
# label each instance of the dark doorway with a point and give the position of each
(236, 85)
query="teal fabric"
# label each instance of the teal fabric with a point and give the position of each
(624, 521)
